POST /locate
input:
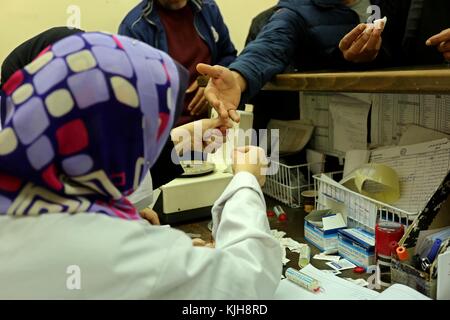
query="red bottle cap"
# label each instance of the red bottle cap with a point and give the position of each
(270, 214)
(282, 217)
(402, 254)
(359, 270)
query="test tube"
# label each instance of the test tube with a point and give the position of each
(281, 215)
(303, 280)
(305, 256)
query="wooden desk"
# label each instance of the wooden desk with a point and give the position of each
(293, 228)
(430, 80)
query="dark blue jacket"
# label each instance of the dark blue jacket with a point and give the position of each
(143, 23)
(305, 33)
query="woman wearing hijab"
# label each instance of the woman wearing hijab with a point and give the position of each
(29, 51)
(86, 120)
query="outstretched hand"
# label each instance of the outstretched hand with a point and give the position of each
(223, 90)
(442, 42)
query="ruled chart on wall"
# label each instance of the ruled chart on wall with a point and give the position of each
(392, 112)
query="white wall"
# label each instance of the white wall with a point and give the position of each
(22, 19)
(238, 15)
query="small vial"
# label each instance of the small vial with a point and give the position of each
(281, 215)
(305, 256)
(303, 280)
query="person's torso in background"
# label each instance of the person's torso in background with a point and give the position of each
(185, 46)
(433, 19)
(361, 7)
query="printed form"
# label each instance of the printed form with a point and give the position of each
(349, 122)
(340, 120)
(421, 169)
(315, 107)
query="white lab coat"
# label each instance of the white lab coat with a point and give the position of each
(117, 259)
(143, 196)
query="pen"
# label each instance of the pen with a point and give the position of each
(434, 250)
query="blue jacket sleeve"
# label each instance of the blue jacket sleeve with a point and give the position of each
(271, 52)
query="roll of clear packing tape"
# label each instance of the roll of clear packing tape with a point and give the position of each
(375, 181)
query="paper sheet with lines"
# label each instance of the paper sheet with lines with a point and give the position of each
(421, 169)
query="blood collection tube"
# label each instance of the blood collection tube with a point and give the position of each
(281, 215)
(303, 280)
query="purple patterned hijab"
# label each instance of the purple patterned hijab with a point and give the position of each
(85, 121)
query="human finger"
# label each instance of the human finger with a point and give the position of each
(199, 97)
(439, 38)
(348, 40)
(212, 71)
(444, 46)
(192, 87)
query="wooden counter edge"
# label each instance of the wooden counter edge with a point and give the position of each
(433, 81)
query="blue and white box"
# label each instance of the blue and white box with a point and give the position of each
(357, 246)
(321, 229)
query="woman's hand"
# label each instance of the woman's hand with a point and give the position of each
(203, 243)
(151, 216)
(253, 160)
(195, 136)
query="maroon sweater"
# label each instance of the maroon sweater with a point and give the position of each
(185, 46)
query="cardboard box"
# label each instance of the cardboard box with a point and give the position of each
(321, 229)
(357, 246)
